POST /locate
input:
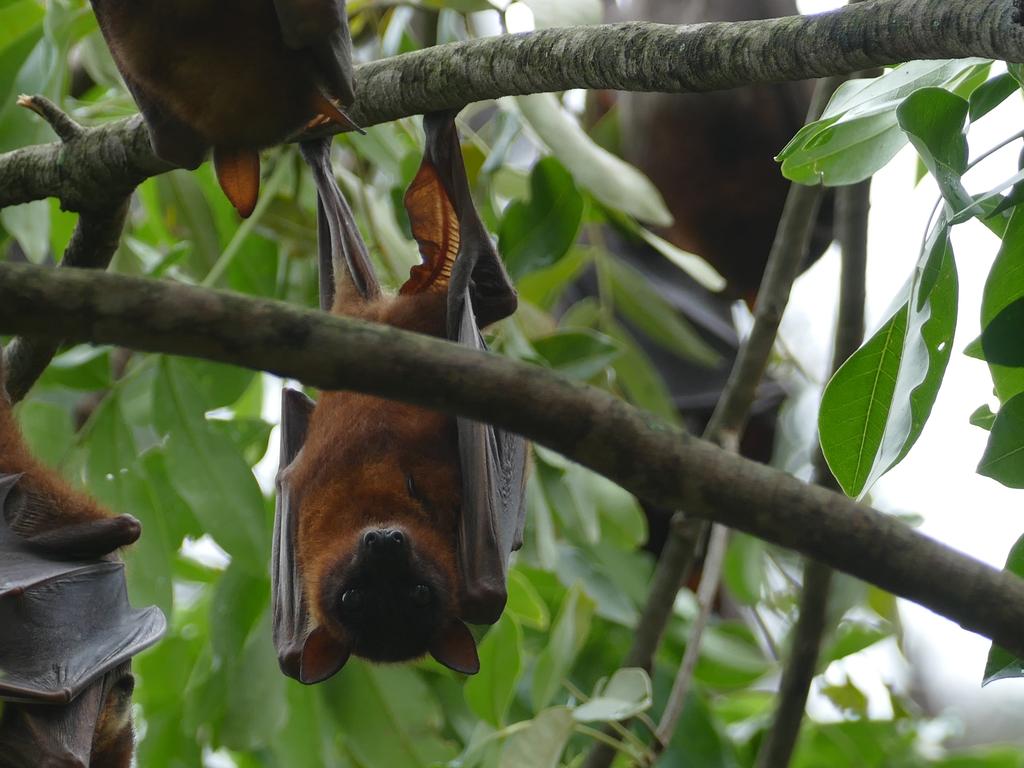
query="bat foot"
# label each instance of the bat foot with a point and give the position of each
(328, 111)
(65, 128)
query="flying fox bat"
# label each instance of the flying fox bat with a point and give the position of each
(235, 75)
(395, 524)
(67, 631)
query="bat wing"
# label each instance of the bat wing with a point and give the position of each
(321, 26)
(340, 247)
(63, 623)
(460, 256)
(62, 734)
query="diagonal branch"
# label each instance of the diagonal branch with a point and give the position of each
(111, 160)
(633, 448)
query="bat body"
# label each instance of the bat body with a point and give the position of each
(235, 75)
(395, 523)
(712, 154)
(67, 631)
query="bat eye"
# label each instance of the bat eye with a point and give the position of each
(410, 486)
(421, 594)
(352, 599)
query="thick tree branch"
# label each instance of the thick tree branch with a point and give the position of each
(647, 457)
(111, 160)
(92, 246)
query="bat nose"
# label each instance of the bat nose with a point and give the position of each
(384, 541)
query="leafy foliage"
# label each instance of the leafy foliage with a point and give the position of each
(188, 446)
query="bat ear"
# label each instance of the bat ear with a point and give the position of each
(456, 649)
(322, 656)
(435, 225)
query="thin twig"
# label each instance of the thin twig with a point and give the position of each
(852, 205)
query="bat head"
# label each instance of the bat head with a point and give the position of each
(392, 599)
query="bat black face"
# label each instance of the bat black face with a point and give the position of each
(390, 597)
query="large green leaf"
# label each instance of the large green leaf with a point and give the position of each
(626, 695)
(858, 133)
(611, 180)
(540, 744)
(489, 692)
(1003, 459)
(567, 637)
(1004, 288)
(535, 234)
(874, 408)
(934, 119)
(208, 469)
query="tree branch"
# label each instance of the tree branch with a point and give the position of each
(109, 161)
(642, 454)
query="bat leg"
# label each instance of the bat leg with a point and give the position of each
(326, 108)
(238, 171)
(92, 539)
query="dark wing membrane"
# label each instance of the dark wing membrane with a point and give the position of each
(322, 27)
(493, 466)
(63, 624)
(493, 461)
(46, 734)
(340, 246)
(291, 618)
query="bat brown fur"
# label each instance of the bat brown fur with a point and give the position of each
(229, 75)
(373, 464)
(46, 510)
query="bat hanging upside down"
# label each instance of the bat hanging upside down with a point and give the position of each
(395, 523)
(235, 75)
(67, 631)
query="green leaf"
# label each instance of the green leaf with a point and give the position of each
(609, 179)
(489, 692)
(1003, 288)
(389, 715)
(858, 132)
(81, 367)
(525, 603)
(17, 20)
(626, 695)
(743, 571)
(257, 708)
(983, 417)
(1001, 663)
(578, 354)
(1001, 340)
(537, 233)
(935, 120)
(208, 470)
(1003, 459)
(874, 408)
(639, 378)
(567, 637)
(853, 637)
(698, 741)
(541, 743)
(644, 307)
(991, 94)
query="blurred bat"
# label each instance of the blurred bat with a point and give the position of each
(712, 154)
(67, 632)
(394, 523)
(235, 75)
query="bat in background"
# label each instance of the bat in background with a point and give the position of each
(67, 631)
(395, 524)
(235, 75)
